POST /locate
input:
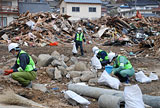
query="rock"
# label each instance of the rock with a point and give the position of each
(56, 63)
(1, 64)
(64, 58)
(44, 60)
(74, 74)
(76, 80)
(93, 81)
(64, 64)
(40, 87)
(63, 70)
(74, 60)
(50, 72)
(56, 55)
(93, 70)
(87, 75)
(35, 58)
(71, 68)
(10, 98)
(57, 74)
(88, 65)
(1, 71)
(99, 74)
(80, 66)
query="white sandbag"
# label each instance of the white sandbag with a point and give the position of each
(79, 99)
(141, 77)
(96, 63)
(74, 50)
(106, 79)
(133, 97)
(153, 76)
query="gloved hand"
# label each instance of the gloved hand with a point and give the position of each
(112, 73)
(7, 72)
(85, 43)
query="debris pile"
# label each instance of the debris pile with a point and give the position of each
(40, 29)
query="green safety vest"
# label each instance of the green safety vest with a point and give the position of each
(79, 37)
(31, 64)
(126, 66)
(106, 57)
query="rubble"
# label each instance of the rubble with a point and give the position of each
(70, 68)
(80, 66)
(64, 58)
(74, 60)
(40, 29)
(74, 74)
(57, 74)
(63, 70)
(50, 72)
(55, 55)
(93, 81)
(56, 63)
(44, 60)
(1, 71)
(76, 80)
(40, 87)
(87, 75)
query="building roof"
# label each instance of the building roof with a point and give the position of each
(53, 3)
(33, 7)
(143, 3)
(124, 6)
(84, 1)
(150, 15)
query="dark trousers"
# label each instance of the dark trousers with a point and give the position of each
(122, 79)
(105, 62)
(79, 43)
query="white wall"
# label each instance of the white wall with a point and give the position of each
(10, 18)
(14, 3)
(84, 10)
(63, 4)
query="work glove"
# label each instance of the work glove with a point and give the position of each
(7, 72)
(112, 73)
(85, 43)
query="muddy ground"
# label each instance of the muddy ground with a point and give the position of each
(55, 98)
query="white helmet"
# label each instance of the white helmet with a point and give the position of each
(12, 46)
(95, 50)
(79, 28)
(111, 55)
